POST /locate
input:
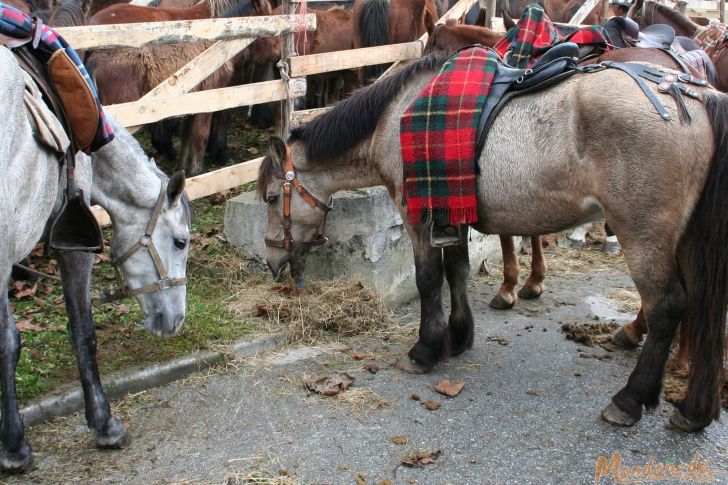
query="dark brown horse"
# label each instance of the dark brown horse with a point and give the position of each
(124, 75)
(382, 22)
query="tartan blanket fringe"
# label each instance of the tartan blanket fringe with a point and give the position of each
(15, 24)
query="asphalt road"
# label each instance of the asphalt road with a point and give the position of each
(529, 411)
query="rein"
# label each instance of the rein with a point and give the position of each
(291, 181)
(145, 241)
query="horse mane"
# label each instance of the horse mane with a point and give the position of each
(68, 14)
(219, 7)
(154, 3)
(239, 9)
(680, 19)
(353, 119)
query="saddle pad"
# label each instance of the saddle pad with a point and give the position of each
(437, 138)
(47, 130)
(16, 25)
(711, 38)
(535, 33)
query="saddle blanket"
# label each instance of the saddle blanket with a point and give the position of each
(438, 132)
(17, 28)
(535, 33)
(712, 38)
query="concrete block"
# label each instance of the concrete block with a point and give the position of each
(367, 241)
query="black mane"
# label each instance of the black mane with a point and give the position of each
(240, 9)
(356, 117)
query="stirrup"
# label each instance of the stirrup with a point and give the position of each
(75, 228)
(443, 236)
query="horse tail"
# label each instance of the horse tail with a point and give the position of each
(372, 25)
(704, 247)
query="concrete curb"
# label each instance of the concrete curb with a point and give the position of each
(130, 382)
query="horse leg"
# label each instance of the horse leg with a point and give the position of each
(662, 311)
(432, 345)
(506, 296)
(217, 145)
(610, 244)
(460, 324)
(577, 237)
(75, 269)
(195, 131)
(533, 287)
(629, 335)
(16, 454)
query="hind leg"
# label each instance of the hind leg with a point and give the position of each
(533, 287)
(629, 335)
(195, 131)
(457, 271)
(75, 269)
(16, 454)
(507, 296)
(662, 311)
(432, 345)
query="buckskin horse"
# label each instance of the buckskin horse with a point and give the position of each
(576, 156)
(147, 210)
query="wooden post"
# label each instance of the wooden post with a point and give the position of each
(721, 9)
(490, 13)
(287, 50)
(605, 11)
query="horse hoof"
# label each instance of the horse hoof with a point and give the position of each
(530, 292)
(500, 303)
(679, 422)
(613, 415)
(622, 339)
(611, 247)
(411, 367)
(17, 462)
(114, 437)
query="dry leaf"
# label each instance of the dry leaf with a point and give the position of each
(328, 385)
(398, 440)
(28, 326)
(263, 310)
(371, 367)
(122, 309)
(100, 258)
(431, 405)
(449, 387)
(219, 198)
(361, 479)
(421, 458)
(110, 275)
(386, 481)
(23, 290)
(37, 252)
(415, 397)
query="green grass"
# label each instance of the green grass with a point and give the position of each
(47, 361)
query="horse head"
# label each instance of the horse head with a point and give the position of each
(296, 216)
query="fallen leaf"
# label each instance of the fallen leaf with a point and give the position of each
(421, 458)
(110, 275)
(531, 392)
(431, 405)
(500, 340)
(371, 367)
(415, 397)
(122, 309)
(219, 198)
(328, 385)
(22, 290)
(449, 387)
(398, 440)
(37, 252)
(361, 479)
(386, 481)
(357, 356)
(28, 326)
(263, 310)
(101, 258)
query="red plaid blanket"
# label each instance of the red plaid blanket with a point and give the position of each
(712, 39)
(437, 138)
(535, 33)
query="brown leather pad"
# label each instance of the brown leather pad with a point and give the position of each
(76, 97)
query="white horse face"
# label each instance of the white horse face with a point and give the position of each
(158, 283)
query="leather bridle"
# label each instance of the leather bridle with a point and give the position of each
(290, 182)
(145, 241)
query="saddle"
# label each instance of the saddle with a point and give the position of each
(75, 228)
(658, 36)
(556, 64)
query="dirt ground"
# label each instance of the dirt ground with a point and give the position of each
(528, 411)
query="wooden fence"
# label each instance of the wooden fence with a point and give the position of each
(230, 36)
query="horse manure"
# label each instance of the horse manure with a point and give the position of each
(398, 440)
(591, 334)
(419, 459)
(497, 338)
(415, 397)
(330, 385)
(431, 405)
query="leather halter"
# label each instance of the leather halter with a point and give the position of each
(145, 241)
(291, 181)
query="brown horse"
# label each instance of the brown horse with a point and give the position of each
(559, 11)
(124, 75)
(557, 176)
(382, 22)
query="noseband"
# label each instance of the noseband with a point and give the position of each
(145, 241)
(291, 180)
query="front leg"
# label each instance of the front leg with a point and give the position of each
(433, 345)
(75, 269)
(16, 454)
(533, 287)
(457, 271)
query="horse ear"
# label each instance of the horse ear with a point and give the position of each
(86, 7)
(508, 22)
(635, 9)
(429, 22)
(176, 187)
(278, 149)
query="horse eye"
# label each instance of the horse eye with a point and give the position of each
(272, 199)
(180, 243)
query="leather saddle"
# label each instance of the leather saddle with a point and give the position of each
(625, 32)
(554, 65)
(75, 228)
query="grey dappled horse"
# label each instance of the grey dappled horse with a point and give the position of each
(129, 186)
(577, 153)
